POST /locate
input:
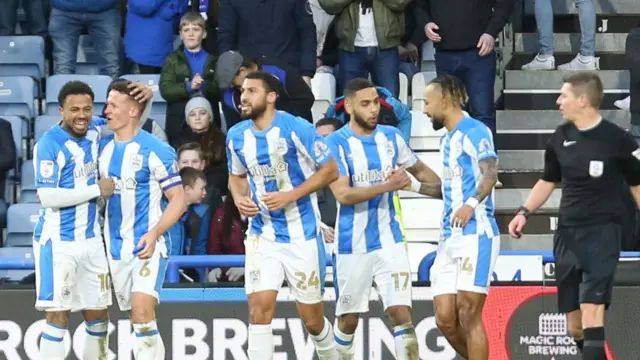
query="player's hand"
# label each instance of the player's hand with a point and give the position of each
(214, 275)
(398, 179)
(107, 186)
(277, 200)
(247, 207)
(235, 273)
(196, 82)
(328, 234)
(146, 246)
(139, 91)
(486, 44)
(516, 226)
(431, 30)
(462, 216)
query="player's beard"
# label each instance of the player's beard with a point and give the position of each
(256, 110)
(436, 123)
(363, 123)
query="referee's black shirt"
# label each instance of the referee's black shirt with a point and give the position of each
(592, 166)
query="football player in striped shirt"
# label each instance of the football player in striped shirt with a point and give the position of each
(148, 200)
(276, 164)
(72, 272)
(373, 161)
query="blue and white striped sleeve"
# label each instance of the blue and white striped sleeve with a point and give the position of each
(234, 163)
(163, 165)
(479, 141)
(406, 156)
(48, 161)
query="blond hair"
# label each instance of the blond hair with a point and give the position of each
(193, 18)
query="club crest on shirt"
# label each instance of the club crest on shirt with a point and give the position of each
(389, 148)
(484, 146)
(320, 149)
(46, 168)
(596, 168)
(135, 161)
(280, 146)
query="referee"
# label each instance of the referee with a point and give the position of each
(592, 158)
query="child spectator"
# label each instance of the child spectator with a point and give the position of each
(189, 71)
(190, 235)
(227, 238)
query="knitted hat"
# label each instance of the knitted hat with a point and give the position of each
(196, 103)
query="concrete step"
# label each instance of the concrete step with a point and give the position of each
(530, 141)
(510, 199)
(570, 23)
(546, 99)
(521, 160)
(527, 242)
(519, 179)
(546, 121)
(552, 80)
(570, 43)
(608, 61)
(613, 8)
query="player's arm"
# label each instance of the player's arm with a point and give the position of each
(48, 162)
(164, 167)
(629, 162)
(479, 139)
(238, 182)
(423, 180)
(551, 176)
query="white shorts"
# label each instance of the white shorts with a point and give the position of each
(387, 269)
(464, 263)
(131, 274)
(71, 275)
(269, 263)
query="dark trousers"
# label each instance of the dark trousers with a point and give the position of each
(479, 76)
(632, 50)
(149, 70)
(381, 64)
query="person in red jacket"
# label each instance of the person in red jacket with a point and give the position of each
(226, 237)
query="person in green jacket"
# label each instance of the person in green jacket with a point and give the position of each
(369, 32)
(189, 71)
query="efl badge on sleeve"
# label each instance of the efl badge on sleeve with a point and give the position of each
(136, 162)
(46, 168)
(596, 168)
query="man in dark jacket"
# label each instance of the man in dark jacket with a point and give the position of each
(295, 96)
(278, 29)
(7, 162)
(102, 20)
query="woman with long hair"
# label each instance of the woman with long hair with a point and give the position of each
(226, 237)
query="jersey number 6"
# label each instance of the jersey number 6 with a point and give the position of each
(314, 281)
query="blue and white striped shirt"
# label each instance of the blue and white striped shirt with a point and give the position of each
(143, 169)
(461, 150)
(367, 161)
(279, 158)
(62, 161)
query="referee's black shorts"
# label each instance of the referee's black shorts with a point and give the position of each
(586, 259)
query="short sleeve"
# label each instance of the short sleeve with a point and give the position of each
(310, 143)
(339, 153)
(629, 159)
(406, 156)
(552, 172)
(234, 164)
(48, 161)
(482, 143)
(163, 165)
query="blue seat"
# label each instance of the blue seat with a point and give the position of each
(99, 84)
(22, 56)
(160, 119)
(44, 123)
(17, 95)
(16, 253)
(86, 59)
(21, 219)
(152, 81)
(19, 130)
(28, 193)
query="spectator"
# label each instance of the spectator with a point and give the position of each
(227, 238)
(412, 41)
(102, 21)
(632, 50)
(151, 17)
(370, 32)
(322, 21)
(35, 11)
(7, 163)
(187, 72)
(213, 16)
(277, 29)
(295, 96)
(191, 154)
(326, 200)
(585, 60)
(464, 35)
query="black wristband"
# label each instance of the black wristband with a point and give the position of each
(522, 210)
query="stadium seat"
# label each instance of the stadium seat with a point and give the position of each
(21, 219)
(27, 183)
(17, 95)
(418, 83)
(160, 119)
(152, 81)
(423, 137)
(15, 276)
(404, 88)
(44, 123)
(86, 60)
(99, 84)
(428, 57)
(19, 129)
(22, 56)
(324, 90)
